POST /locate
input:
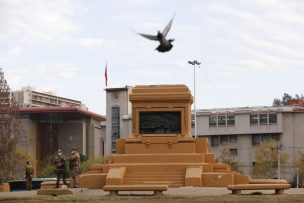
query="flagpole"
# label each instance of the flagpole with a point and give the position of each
(106, 74)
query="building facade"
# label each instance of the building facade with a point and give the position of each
(51, 122)
(118, 111)
(29, 97)
(240, 130)
(48, 129)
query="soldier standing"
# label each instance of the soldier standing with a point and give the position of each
(29, 172)
(60, 164)
(74, 166)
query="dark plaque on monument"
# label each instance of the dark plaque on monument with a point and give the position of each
(160, 122)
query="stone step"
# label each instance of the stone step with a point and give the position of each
(139, 178)
(152, 182)
(140, 174)
(161, 167)
(159, 158)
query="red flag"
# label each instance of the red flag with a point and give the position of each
(106, 75)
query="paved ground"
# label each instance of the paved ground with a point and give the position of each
(183, 191)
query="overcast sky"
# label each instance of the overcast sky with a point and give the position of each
(251, 51)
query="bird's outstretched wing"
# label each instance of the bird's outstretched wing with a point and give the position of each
(167, 28)
(151, 37)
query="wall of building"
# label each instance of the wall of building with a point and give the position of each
(292, 139)
(71, 134)
(28, 127)
(96, 136)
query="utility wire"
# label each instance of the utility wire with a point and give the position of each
(214, 86)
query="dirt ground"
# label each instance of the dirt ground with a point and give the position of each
(173, 195)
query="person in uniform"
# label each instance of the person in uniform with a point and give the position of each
(74, 163)
(60, 164)
(29, 173)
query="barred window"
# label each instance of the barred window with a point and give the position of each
(212, 120)
(215, 141)
(233, 138)
(254, 119)
(256, 139)
(272, 118)
(263, 119)
(230, 120)
(222, 120)
(224, 139)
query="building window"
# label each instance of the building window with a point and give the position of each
(212, 120)
(222, 120)
(233, 138)
(254, 119)
(230, 120)
(215, 141)
(115, 126)
(265, 137)
(263, 119)
(233, 152)
(275, 136)
(224, 139)
(256, 139)
(192, 120)
(272, 118)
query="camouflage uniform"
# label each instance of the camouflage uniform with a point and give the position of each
(29, 172)
(74, 166)
(60, 164)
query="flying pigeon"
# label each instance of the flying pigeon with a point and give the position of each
(165, 45)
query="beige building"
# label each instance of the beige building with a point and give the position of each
(29, 97)
(242, 129)
(238, 129)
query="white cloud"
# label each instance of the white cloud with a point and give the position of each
(34, 21)
(14, 51)
(96, 42)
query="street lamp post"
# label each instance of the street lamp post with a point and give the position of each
(194, 62)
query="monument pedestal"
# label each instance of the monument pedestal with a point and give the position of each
(161, 150)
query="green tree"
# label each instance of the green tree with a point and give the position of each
(11, 134)
(285, 98)
(228, 157)
(266, 157)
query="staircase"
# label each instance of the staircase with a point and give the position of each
(172, 179)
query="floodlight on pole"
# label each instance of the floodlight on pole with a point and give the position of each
(194, 62)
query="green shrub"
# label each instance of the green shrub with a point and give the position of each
(85, 165)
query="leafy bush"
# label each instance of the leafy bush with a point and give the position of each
(85, 165)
